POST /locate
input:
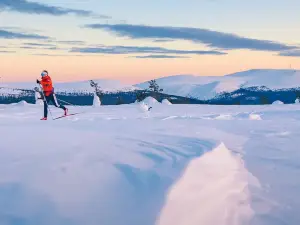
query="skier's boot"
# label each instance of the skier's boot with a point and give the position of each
(66, 111)
(44, 118)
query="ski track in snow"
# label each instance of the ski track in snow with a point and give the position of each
(175, 164)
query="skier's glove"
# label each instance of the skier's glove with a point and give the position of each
(38, 82)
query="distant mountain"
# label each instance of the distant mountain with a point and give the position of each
(73, 87)
(208, 87)
(248, 87)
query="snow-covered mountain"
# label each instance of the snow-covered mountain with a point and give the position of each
(201, 87)
(206, 87)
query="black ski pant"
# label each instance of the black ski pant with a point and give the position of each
(51, 98)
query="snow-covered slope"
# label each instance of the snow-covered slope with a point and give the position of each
(173, 165)
(206, 87)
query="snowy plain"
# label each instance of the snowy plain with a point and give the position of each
(172, 165)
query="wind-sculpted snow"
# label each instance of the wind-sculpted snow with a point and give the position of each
(174, 164)
(219, 182)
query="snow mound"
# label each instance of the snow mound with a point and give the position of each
(150, 101)
(22, 103)
(217, 178)
(278, 103)
(255, 117)
(96, 101)
(166, 102)
(143, 107)
(224, 117)
(297, 101)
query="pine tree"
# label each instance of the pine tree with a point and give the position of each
(154, 87)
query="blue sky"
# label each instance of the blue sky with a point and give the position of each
(167, 34)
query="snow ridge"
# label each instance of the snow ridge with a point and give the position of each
(218, 179)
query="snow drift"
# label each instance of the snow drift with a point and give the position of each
(277, 103)
(201, 197)
(150, 101)
(166, 102)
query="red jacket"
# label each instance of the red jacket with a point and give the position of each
(46, 83)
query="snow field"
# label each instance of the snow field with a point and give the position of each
(174, 164)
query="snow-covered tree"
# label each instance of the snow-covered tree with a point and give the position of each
(97, 88)
(96, 101)
(38, 97)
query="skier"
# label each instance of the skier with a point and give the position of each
(49, 94)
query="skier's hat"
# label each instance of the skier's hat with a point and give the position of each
(44, 73)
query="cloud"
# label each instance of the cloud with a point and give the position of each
(210, 38)
(39, 45)
(159, 57)
(19, 29)
(44, 54)
(24, 6)
(42, 47)
(163, 40)
(4, 34)
(4, 51)
(135, 49)
(292, 53)
(71, 42)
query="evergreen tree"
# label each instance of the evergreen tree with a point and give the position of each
(154, 87)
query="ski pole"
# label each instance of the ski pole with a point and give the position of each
(45, 101)
(65, 102)
(69, 104)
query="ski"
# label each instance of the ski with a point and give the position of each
(65, 116)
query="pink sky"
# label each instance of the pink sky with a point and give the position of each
(250, 40)
(132, 70)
